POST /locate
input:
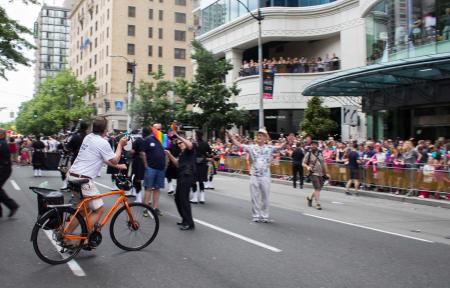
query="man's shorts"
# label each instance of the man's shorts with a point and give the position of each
(89, 189)
(154, 178)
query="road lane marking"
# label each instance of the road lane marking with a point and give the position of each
(73, 265)
(249, 240)
(104, 186)
(14, 184)
(369, 228)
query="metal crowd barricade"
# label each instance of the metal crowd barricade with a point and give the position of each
(411, 181)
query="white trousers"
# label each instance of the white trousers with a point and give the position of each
(260, 190)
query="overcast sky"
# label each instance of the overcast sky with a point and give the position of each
(20, 84)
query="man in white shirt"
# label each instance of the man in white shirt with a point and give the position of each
(95, 151)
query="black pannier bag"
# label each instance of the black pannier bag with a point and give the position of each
(47, 197)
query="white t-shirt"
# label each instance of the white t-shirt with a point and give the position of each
(94, 151)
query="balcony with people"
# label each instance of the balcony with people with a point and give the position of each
(281, 64)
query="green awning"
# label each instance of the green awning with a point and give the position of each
(364, 80)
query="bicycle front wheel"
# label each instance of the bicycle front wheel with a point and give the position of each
(135, 232)
(50, 244)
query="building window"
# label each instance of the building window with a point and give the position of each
(96, 25)
(150, 50)
(180, 35)
(106, 69)
(107, 50)
(107, 14)
(160, 51)
(130, 49)
(131, 11)
(149, 68)
(180, 53)
(160, 1)
(160, 33)
(131, 30)
(180, 17)
(95, 59)
(95, 41)
(179, 71)
(160, 15)
(150, 14)
(160, 68)
(107, 32)
(180, 2)
(150, 32)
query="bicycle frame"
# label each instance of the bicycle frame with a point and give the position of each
(83, 206)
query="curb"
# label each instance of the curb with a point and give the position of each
(379, 195)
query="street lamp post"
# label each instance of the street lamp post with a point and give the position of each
(258, 18)
(130, 94)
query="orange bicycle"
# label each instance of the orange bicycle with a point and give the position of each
(62, 231)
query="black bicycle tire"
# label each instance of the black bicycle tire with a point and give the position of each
(37, 226)
(113, 221)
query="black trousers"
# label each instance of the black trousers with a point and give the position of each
(297, 170)
(10, 203)
(182, 202)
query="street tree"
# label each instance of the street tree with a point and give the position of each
(209, 95)
(58, 102)
(155, 102)
(317, 121)
(13, 42)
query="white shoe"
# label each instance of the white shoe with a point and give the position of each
(194, 198)
(202, 197)
(35, 173)
(64, 186)
(40, 173)
(206, 184)
(139, 197)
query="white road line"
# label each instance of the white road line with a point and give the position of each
(73, 265)
(369, 228)
(249, 240)
(104, 186)
(14, 184)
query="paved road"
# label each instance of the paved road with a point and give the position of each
(353, 242)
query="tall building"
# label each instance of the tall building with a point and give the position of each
(405, 81)
(108, 37)
(302, 40)
(51, 32)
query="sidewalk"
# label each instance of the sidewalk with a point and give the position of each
(381, 195)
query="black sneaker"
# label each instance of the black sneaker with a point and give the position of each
(158, 212)
(170, 192)
(348, 193)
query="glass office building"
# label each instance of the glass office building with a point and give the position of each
(222, 11)
(405, 85)
(51, 32)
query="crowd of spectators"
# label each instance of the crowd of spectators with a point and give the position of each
(412, 167)
(292, 65)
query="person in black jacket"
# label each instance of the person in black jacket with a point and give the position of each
(171, 170)
(297, 167)
(186, 172)
(203, 152)
(5, 172)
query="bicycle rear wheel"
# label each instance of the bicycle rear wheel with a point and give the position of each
(137, 235)
(47, 236)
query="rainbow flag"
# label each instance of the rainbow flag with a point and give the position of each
(162, 138)
(222, 162)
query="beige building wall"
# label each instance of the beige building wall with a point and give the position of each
(108, 33)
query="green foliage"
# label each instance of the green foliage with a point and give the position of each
(153, 102)
(58, 101)
(12, 44)
(208, 93)
(316, 121)
(8, 125)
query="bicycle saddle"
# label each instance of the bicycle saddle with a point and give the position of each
(79, 181)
